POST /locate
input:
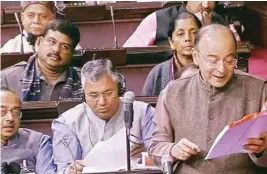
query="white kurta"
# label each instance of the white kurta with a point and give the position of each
(13, 45)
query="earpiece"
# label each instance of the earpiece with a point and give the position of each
(121, 85)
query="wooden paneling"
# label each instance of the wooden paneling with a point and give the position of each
(135, 76)
(255, 16)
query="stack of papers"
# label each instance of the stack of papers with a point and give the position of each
(109, 155)
(234, 136)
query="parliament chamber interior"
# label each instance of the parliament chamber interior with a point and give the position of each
(106, 26)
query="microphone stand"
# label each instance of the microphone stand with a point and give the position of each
(128, 125)
(128, 146)
(114, 28)
(128, 119)
(21, 33)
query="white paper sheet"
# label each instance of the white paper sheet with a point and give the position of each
(109, 155)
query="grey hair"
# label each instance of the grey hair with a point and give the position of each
(95, 69)
(213, 27)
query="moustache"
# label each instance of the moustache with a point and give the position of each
(54, 55)
(8, 125)
(35, 26)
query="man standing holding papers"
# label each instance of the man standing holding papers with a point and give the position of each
(192, 111)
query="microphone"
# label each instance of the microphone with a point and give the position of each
(74, 161)
(166, 162)
(4, 167)
(21, 33)
(128, 99)
(32, 38)
(13, 168)
(114, 28)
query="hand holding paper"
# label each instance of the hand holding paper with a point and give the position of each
(257, 145)
(233, 137)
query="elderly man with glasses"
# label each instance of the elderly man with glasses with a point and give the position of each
(192, 111)
(100, 117)
(30, 149)
(48, 75)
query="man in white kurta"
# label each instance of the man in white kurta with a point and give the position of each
(97, 119)
(34, 17)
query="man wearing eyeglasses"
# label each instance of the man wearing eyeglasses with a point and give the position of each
(48, 75)
(191, 112)
(31, 149)
(98, 119)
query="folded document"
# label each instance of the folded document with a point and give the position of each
(234, 136)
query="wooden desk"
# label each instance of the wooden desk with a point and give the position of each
(39, 115)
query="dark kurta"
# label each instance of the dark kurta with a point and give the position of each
(189, 108)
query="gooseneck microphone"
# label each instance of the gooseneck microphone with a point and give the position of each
(67, 146)
(166, 162)
(128, 100)
(114, 28)
(21, 33)
(11, 168)
(4, 168)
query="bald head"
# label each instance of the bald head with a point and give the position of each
(7, 93)
(215, 33)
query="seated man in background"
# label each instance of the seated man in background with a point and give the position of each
(153, 30)
(97, 119)
(48, 75)
(182, 31)
(35, 15)
(20, 144)
(192, 111)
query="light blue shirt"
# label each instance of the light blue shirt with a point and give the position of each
(33, 147)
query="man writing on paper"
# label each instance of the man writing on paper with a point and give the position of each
(48, 75)
(19, 144)
(97, 119)
(192, 111)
